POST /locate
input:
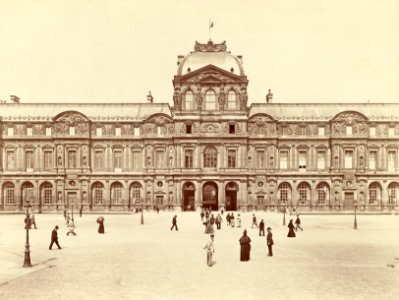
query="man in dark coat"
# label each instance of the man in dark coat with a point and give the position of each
(254, 222)
(174, 223)
(269, 241)
(298, 223)
(54, 238)
(245, 243)
(262, 228)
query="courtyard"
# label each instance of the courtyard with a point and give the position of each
(328, 259)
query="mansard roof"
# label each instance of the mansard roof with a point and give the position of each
(292, 112)
(94, 111)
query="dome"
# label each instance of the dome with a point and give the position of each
(210, 54)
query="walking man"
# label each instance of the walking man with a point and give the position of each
(254, 222)
(210, 249)
(269, 241)
(71, 228)
(262, 228)
(54, 238)
(298, 223)
(174, 223)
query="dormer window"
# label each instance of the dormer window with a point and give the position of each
(188, 70)
(189, 128)
(232, 70)
(210, 100)
(232, 128)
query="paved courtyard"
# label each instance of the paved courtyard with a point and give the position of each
(328, 260)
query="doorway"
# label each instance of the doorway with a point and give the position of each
(231, 196)
(349, 200)
(188, 196)
(210, 195)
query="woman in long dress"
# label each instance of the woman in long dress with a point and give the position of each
(100, 222)
(245, 243)
(291, 232)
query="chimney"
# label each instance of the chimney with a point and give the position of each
(269, 97)
(14, 99)
(150, 98)
(179, 59)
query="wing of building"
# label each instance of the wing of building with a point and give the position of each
(209, 150)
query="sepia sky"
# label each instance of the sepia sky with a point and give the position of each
(116, 51)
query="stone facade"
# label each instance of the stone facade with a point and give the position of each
(209, 149)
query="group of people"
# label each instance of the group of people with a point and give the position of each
(292, 228)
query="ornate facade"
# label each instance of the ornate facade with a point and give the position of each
(209, 149)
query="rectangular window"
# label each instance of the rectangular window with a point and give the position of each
(348, 130)
(373, 195)
(118, 131)
(188, 158)
(99, 131)
(118, 160)
(99, 159)
(231, 158)
(29, 160)
(391, 160)
(29, 131)
(391, 131)
(303, 130)
(159, 130)
(10, 160)
(48, 131)
(372, 131)
(260, 156)
(72, 159)
(136, 161)
(348, 159)
(10, 131)
(321, 131)
(9, 194)
(321, 160)
(188, 128)
(160, 159)
(373, 160)
(48, 194)
(260, 200)
(302, 160)
(136, 131)
(284, 160)
(48, 160)
(232, 128)
(285, 130)
(71, 130)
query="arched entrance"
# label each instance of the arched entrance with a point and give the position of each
(231, 196)
(210, 195)
(188, 196)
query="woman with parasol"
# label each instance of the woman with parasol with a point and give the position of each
(100, 221)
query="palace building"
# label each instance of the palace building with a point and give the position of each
(211, 149)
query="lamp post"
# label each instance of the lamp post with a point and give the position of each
(284, 214)
(355, 222)
(142, 216)
(27, 262)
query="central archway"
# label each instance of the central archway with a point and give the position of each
(231, 196)
(188, 196)
(210, 195)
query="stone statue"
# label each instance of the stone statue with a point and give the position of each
(243, 98)
(222, 98)
(177, 98)
(198, 99)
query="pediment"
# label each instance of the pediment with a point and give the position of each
(211, 75)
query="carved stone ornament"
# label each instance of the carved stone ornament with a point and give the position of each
(38, 129)
(71, 119)
(210, 128)
(210, 47)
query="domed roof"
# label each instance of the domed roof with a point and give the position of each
(210, 54)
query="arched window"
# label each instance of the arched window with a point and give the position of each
(136, 193)
(393, 189)
(210, 157)
(98, 190)
(285, 192)
(322, 193)
(27, 193)
(232, 100)
(210, 100)
(116, 193)
(304, 192)
(189, 100)
(47, 193)
(9, 193)
(374, 193)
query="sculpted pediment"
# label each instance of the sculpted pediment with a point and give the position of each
(211, 74)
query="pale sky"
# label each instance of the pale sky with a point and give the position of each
(116, 51)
